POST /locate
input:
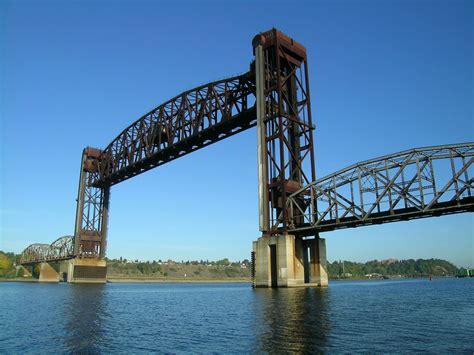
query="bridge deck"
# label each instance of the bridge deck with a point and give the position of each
(403, 214)
(417, 183)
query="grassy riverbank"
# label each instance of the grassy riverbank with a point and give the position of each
(185, 271)
(123, 270)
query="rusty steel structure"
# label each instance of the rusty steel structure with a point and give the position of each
(90, 233)
(205, 115)
(273, 95)
(61, 249)
(416, 183)
(286, 149)
(188, 122)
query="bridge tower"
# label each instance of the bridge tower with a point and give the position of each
(90, 233)
(285, 163)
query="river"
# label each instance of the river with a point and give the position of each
(363, 316)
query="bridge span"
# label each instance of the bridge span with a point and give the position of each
(294, 207)
(416, 183)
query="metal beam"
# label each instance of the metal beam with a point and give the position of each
(410, 176)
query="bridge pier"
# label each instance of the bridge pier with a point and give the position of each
(315, 259)
(87, 270)
(48, 272)
(287, 261)
(26, 270)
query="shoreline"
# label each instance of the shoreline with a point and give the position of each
(144, 280)
(203, 281)
(151, 280)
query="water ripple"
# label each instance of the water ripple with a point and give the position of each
(373, 316)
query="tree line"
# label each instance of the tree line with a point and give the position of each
(392, 267)
(225, 267)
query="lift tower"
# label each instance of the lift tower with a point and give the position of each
(285, 161)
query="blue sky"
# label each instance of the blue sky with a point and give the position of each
(385, 76)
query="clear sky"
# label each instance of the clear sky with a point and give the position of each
(385, 76)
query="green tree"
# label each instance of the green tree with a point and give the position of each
(224, 261)
(5, 264)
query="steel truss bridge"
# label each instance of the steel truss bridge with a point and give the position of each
(61, 249)
(416, 183)
(273, 95)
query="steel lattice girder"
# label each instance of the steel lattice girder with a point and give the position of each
(61, 249)
(187, 122)
(92, 209)
(202, 116)
(288, 131)
(416, 183)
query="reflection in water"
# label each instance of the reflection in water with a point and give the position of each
(414, 315)
(85, 314)
(294, 319)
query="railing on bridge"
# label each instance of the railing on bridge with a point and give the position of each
(416, 183)
(61, 249)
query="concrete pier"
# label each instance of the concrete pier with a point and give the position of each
(86, 270)
(48, 272)
(316, 251)
(63, 270)
(286, 261)
(27, 270)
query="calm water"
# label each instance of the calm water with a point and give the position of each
(372, 316)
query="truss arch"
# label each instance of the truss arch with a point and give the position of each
(61, 249)
(415, 183)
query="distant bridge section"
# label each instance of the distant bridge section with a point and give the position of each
(416, 183)
(61, 249)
